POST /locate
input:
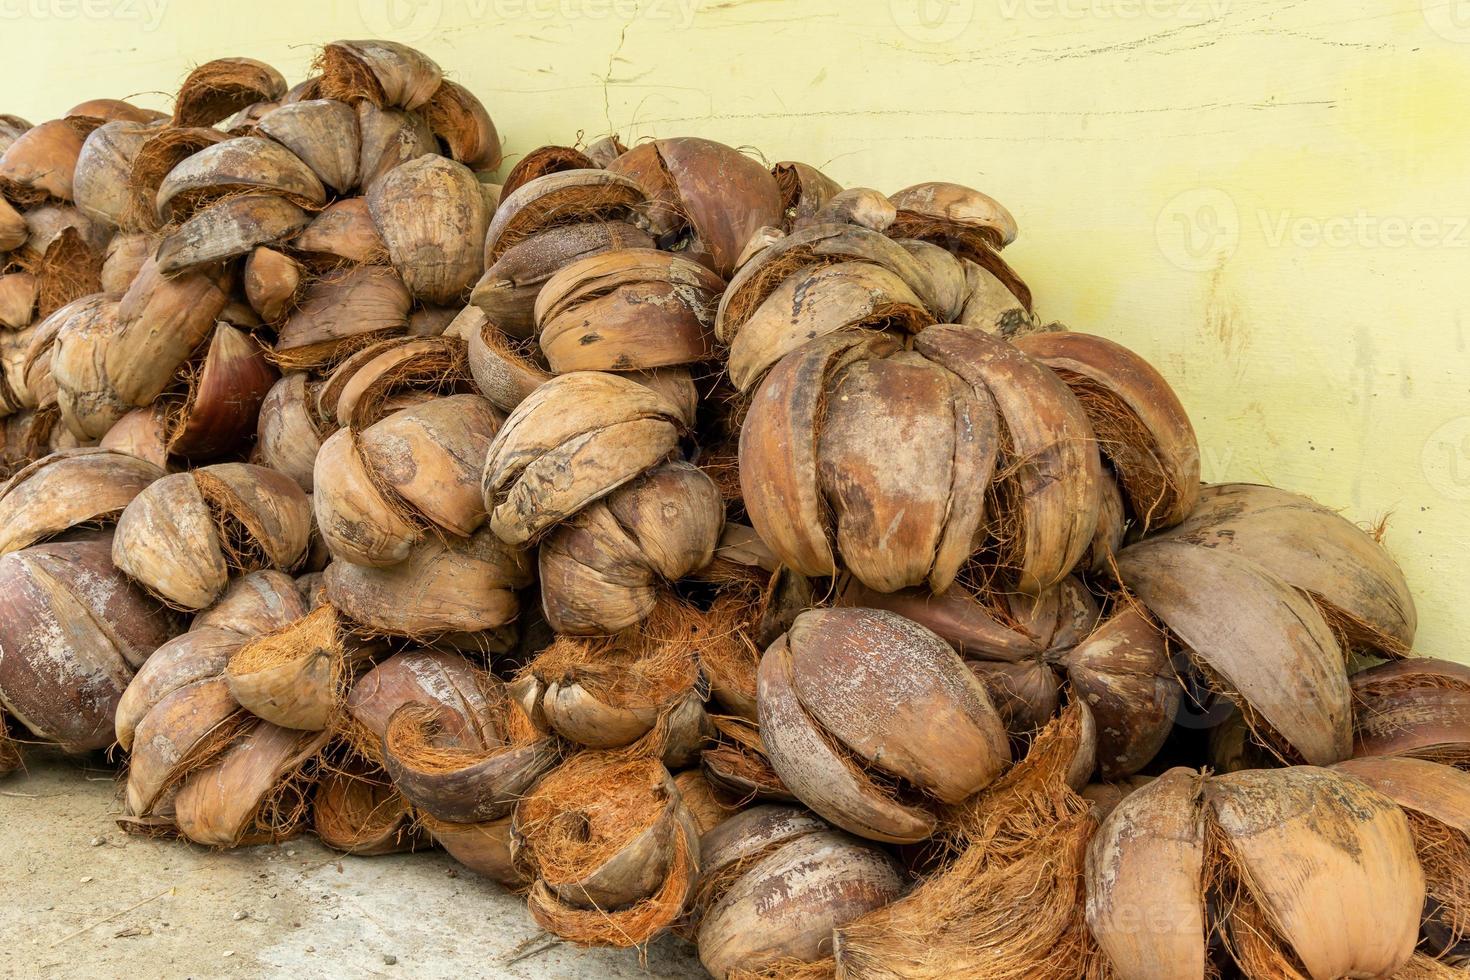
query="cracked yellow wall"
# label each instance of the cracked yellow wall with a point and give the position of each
(1268, 198)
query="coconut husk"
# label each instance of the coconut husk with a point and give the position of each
(432, 217)
(650, 309)
(390, 138)
(96, 112)
(435, 677)
(484, 848)
(344, 231)
(255, 792)
(605, 149)
(559, 199)
(363, 388)
(154, 161)
(542, 161)
(296, 676)
(272, 281)
(383, 73)
(508, 290)
(12, 127)
(572, 441)
(256, 604)
(463, 126)
(341, 312)
(287, 435)
(69, 613)
(224, 393)
(162, 321)
(75, 488)
(804, 191)
(603, 570)
(228, 228)
(612, 849)
(64, 251)
(965, 209)
(1419, 707)
(1261, 642)
(459, 783)
(784, 906)
(191, 658)
(850, 750)
(379, 490)
(740, 839)
(704, 802)
(707, 196)
(1352, 578)
(143, 433)
(357, 811)
(444, 586)
(40, 164)
(84, 394)
(233, 166)
(13, 231)
(820, 448)
(1045, 499)
(101, 182)
(1436, 799)
(125, 257)
(188, 727)
(740, 765)
(974, 227)
(323, 133)
(185, 533)
(218, 89)
(505, 370)
(641, 689)
(1141, 427)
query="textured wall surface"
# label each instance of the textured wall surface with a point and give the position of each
(1269, 198)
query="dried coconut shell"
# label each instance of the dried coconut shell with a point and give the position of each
(73, 630)
(443, 586)
(484, 847)
(707, 196)
(154, 161)
(162, 321)
(432, 217)
(185, 533)
(383, 73)
(357, 811)
(287, 436)
(613, 851)
(254, 792)
(463, 126)
(390, 138)
(229, 228)
(339, 312)
(272, 281)
(244, 163)
(558, 199)
(378, 490)
(434, 677)
(508, 290)
(40, 164)
(1418, 707)
(1349, 574)
(542, 161)
(787, 903)
(293, 677)
(104, 168)
(344, 230)
(602, 570)
(69, 489)
(13, 231)
(835, 722)
(1141, 427)
(323, 133)
(17, 300)
(125, 257)
(220, 88)
(224, 393)
(255, 604)
(505, 370)
(143, 433)
(572, 441)
(804, 191)
(629, 309)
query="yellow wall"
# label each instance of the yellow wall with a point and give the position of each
(1269, 198)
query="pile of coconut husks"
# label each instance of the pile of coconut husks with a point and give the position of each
(692, 546)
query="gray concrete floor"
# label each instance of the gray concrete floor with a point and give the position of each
(82, 899)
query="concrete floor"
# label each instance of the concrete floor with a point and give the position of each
(83, 899)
